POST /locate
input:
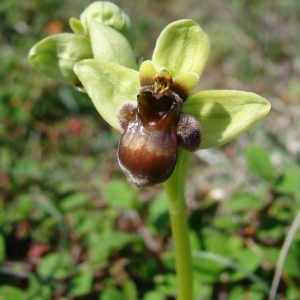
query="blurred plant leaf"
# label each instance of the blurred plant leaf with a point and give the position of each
(73, 201)
(154, 295)
(83, 222)
(56, 55)
(238, 293)
(166, 284)
(158, 213)
(289, 183)
(259, 163)
(291, 263)
(8, 292)
(244, 202)
(225, 262)
(81, 284)
(55, 265)
(103, 245)
(2, 249)
(119, 194)
(248, 260)
(224, 115)
(130, 290)
(111, 293)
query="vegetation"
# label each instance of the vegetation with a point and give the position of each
(71, 225)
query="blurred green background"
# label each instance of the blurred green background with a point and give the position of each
(71, 227)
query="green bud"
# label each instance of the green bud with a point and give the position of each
(111, 15)
(56, 55)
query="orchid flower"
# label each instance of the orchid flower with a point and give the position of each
(179, 57)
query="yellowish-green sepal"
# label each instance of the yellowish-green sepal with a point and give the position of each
(109, 86)
(224, 115)
(109, 45)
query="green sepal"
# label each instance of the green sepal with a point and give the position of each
(181, 47)
(109, 14)
(76, 26)
(56, 55)
(224, 115)
(109, 45)
(109, 86)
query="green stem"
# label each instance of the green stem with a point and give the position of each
(177, 209)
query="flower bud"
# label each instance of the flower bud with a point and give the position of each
(109, 14)
(56, 55)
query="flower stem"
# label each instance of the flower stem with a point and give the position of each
(177, 209)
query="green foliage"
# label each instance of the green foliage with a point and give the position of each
(120, 195)
(259, 163)
(52, 153)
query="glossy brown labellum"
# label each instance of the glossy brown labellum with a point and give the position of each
(152, 130)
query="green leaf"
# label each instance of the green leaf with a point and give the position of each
(224, 115)
(240, 293)
(55, 265)
(119, 194)
(259, 163)
(289, 183)
(158, 213)
(109, 14)
(109, 86)
(109, 45)
(2, 249)
(103, 245)
(244, 202)
(36, 283)
(247, 259)
(291, 263)
(154, 295)
(111, 293)
(73, 201)
(56, 55)
(76, 26)
(181, 47)
(82, 283)
(130, 290)
(8, 292)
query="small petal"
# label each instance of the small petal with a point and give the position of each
(224, 115)
(147, 73)
(108, 44)
(185, 84)
(181, 47)
(188, 81)
(108, 85)
(56, 55)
